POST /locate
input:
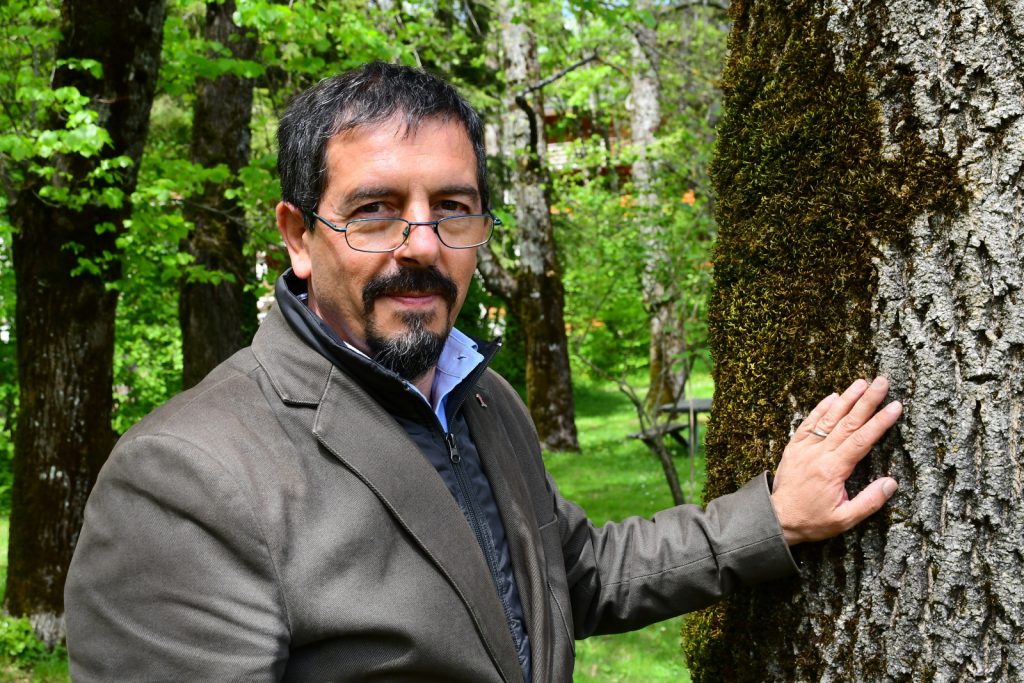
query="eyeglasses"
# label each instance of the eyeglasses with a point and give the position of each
(381, 235)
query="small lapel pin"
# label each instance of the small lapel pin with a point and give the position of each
(483, 404)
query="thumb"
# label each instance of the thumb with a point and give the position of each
(868, 502)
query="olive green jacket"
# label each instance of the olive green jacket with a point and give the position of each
(275, 523)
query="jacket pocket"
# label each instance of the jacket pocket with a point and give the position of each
(558, 586)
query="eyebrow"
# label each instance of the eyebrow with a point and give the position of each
(376, 192)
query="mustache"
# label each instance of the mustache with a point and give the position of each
(422, 280)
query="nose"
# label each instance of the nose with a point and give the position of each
(422, 247)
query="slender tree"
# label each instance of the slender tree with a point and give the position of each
(217, 317)
(660, 298)
(869, 170)
(533, 285)
(67, 221)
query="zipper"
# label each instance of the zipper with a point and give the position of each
(453, 450)
(480, 530)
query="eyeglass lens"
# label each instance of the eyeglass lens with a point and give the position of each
(387, 234)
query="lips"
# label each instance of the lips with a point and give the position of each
(413, 297)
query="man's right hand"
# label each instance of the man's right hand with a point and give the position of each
(809, 492)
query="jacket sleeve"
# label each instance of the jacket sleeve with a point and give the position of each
(171, 578)
(626, 575)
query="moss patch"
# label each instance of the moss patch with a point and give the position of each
(805, 192)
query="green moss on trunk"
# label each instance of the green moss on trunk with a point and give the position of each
(805, 195)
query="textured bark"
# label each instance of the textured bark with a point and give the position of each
(537, 296)
(896, 246)
(218, 319)
(65, 322)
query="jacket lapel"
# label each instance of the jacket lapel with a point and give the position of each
(504, 470)
(392, 466)
(368, 441)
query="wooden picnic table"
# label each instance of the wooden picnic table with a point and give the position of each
(690, 408)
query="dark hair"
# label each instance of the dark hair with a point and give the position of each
(371, 94)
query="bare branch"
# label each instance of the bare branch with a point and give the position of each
(686, 4)
(554, 77)
(472, 17)
(206, 208)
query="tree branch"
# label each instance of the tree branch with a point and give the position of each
(685, 4)
(554, 77)
(206, 208)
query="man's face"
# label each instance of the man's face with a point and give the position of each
(396, 302)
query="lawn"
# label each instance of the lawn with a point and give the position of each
(612, 478)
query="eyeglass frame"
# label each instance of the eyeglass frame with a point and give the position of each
(495, 221)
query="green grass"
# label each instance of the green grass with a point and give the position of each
(612, 478)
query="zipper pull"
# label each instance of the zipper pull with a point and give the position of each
(453, 450)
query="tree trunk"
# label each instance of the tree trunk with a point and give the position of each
(666, 347)
(869, 174)
(534, 290)
(65, 322)
(218, 318)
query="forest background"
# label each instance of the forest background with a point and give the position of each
(867, 213)
(155, 232)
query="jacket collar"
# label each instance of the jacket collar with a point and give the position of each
(388, 388)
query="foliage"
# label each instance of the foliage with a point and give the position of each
(600, 244)
(8, 367)
(597, 216)
(23, 657)
(18, 641)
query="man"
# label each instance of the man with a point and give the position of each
(356, 496)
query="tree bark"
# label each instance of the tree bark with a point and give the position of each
(219, 318)
(65, 322)
(869, 173)
(537, 296)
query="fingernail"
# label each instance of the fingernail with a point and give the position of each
(889, 487)
(894, 408)
(879, 382)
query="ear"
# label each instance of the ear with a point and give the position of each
(292, 227)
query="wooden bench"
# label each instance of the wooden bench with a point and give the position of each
(673, 429)
(690, 408)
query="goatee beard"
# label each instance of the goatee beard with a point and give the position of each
(413, 352)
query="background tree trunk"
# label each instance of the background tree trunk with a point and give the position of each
(870, 218)
(218, 318)
(660, 299)
(65, 322)
(534, 290)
